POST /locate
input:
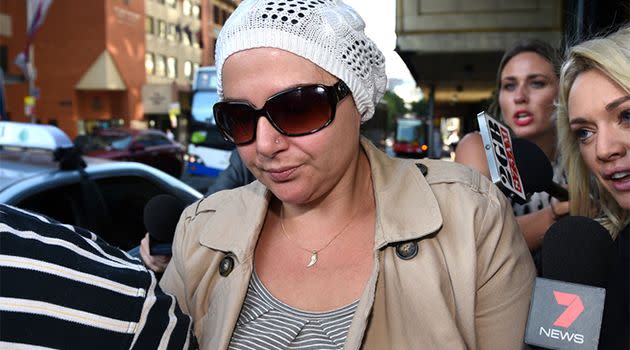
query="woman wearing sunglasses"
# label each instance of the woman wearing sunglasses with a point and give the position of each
(594, 134)
(337, 245)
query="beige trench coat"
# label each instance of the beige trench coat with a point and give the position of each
(468, 287)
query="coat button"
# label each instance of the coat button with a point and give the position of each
(423, 168)
(407, 250)
(226, 266)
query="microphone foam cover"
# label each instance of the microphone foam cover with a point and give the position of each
(161, 214)
(577, 249)
(533, 165)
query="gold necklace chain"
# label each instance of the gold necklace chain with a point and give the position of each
(313, 258)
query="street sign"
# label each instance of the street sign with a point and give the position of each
(29, 103)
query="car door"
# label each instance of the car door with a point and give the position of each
(140, 150)
(167, 155)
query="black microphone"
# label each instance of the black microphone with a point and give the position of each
(161, 214)
(568, 301)
(535, 169)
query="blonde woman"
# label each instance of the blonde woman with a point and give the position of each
(594, 138)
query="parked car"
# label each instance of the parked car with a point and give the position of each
(42, 171)
(148, 146)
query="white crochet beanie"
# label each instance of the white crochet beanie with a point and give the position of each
(329, 33)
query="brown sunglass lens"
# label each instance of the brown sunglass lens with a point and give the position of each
(300, 111)
(239, 121)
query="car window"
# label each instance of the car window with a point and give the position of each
(110, 142)
(126, 197)
(111, 207)
(60, 203)
(159, 140)
(145, 140)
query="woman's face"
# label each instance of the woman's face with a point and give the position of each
(599, 116)
(528, 89)
(296, 169)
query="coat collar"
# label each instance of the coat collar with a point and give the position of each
(406, 208)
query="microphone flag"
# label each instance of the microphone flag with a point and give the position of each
(564, 315)
(497, 144)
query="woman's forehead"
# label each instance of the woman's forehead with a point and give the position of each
(527, 61)
(275, 60)
(256, 74)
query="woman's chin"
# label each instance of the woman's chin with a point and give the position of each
(290, 193)
(623, 199)
(530, 132)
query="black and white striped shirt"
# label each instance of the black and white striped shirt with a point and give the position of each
(62, 287)
(267, 323)
(540, 200)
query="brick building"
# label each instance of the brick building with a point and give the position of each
(110, 62)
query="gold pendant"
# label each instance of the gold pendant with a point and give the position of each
(313, 259)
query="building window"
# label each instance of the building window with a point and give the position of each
(171, 3)
(188, 70)
(149, 63)
(215, 14)
(196, 11)
(161, 28)
(4, 61)
(160, 65)
(171, 34)
(196, 38)
(148, 25)
(225, 14)
(171, 67)
(186, 36)
(178, 33)
(186, 7)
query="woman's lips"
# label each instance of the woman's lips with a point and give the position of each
(523, 118)
(281, 174)
(620, 180)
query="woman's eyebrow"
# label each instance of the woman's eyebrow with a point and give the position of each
(614, 104)
(529, 76)
(578, 120)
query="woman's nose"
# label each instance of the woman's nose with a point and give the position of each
(610, 143)
(521, 94)
(267, 137)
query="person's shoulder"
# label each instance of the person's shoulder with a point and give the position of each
(445, 171)
(470, 152)
(472, 138)
(228, 202)
(457, 179)
(471, 143)
(76, 273)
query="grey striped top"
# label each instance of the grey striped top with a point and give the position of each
(267, 323)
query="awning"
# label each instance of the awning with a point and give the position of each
(102, 75)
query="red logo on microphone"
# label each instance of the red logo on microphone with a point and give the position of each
(574, 308)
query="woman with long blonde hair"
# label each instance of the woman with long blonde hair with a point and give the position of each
(594, 139)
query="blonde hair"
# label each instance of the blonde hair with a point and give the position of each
(611, 56)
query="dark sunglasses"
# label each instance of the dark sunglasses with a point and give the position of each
(298, 111)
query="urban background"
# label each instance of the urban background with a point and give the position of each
(90, 65)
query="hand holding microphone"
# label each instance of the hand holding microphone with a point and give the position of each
(161, 215)
(156, 263)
